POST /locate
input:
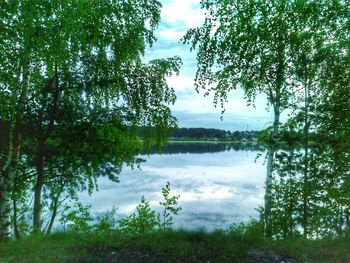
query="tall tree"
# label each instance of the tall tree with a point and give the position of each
(245, 44)
(77, 65)
(271, 47)
(318, 34)
(320, 48)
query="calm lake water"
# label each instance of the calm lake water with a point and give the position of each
(218, 185)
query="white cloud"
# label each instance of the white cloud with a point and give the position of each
(207, 192)
(180, 82)
(171, 34)
(188, 100)
(177, 17)
(186, 11)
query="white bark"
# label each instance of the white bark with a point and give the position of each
(9, 169)
(270, 160)
(5, 212)
(5, 194)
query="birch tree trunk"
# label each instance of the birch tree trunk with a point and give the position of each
(306, 163)
(276, 101)
(5, 208)
(16, 230)
(269, 172)
(9, 169)
(5, 194)
(37, 195)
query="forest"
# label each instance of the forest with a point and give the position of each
(214, 134)
(75, 88)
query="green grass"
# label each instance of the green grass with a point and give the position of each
(172, 246)
(319, 251)
(210, 141)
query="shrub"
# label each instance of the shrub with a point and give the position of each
(142, 221)
(77, 218)
(106, 222)
(253, 229)
(170, 208)
(145, 219)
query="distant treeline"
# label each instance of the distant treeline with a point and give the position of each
(185, 147)
(214, 134)
(287, 137)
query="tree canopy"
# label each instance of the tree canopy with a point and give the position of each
(73, 85)
(296, 53)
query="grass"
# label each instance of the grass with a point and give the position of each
(319, 251)
(171, 246)
(209, 141)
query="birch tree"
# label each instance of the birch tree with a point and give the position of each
(319, 34)
(320, 47)
(77, 64)
(246, 44)
(275, 48)
(15, 49)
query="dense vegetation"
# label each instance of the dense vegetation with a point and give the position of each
(75, 90)
(297, 54)
(72, 88)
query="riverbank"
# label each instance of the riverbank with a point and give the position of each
(171, 246)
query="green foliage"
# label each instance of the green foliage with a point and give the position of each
(144, 220)
(77, 218)
(244, 44)
(327, 198)
(170, 208)
(73, 85)
(106, 222)
(297, 54)
(23, 214)
(253, 230)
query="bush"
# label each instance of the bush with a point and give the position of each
(145, 219)
(254, 229)
(170, 208)
(106, 222)
(142, 221)
(77, 218)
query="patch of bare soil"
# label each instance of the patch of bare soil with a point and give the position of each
(133, 256)
(268, 257)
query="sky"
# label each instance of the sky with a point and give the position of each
(192, 109)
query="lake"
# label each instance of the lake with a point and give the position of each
(218, 184)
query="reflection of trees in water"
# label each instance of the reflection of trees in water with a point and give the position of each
(174, 148)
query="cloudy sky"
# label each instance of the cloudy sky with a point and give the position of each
(193, 109)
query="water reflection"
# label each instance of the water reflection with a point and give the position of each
(207, 147)
(216, 187)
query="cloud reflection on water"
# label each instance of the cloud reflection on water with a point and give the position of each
(216, 189)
